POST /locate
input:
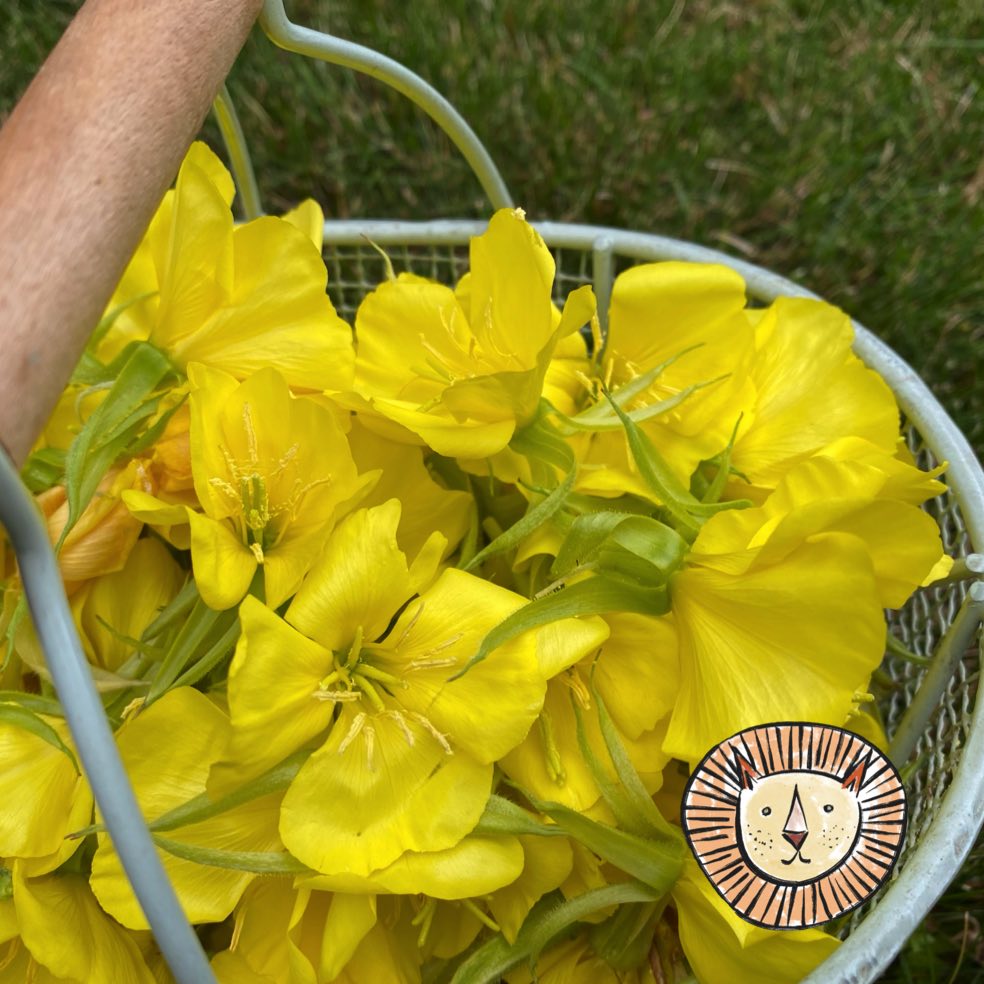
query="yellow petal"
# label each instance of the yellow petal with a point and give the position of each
(360, 581)
(426, 505)
(548, 861)
(309, 218)
(277, 314)
(511, 280)
(723, 949)
(167, 750)
(790, 642)
(67, 933)
(350, 918)
(473, 867)
(124, 603)
(273, 675)
(44, 797)
(638, 672)
(388, 796)
(490, 709)
(811, 391)
(224, 566)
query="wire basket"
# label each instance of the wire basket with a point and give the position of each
(932, 716)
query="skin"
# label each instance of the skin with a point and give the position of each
(85, 157)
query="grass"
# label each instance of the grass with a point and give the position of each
(838, 144)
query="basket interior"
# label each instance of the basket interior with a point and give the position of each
(919, 626)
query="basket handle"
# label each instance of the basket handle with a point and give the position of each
(336, 51)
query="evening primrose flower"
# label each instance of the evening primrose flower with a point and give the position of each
(724, 949)
(104, 534)
(462, 370)
(272, 473)
(633, 665)
(406, 751)
(779, 609)
(44, 794)
(237, 298)
(52, 929)
(810, 389)
(116, 607)
(689, 318)
(167, 750)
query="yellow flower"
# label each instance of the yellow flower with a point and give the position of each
(167, 750)
(692, 313)
(462, 370)
(53, 930)
(44, 797)
(102, 538)
(632, 660)
(406, 752)
(237, 298)
(272, 473)
(426, 506)
(119, 606)
(810, 390)
(724, 949)
(779, 608)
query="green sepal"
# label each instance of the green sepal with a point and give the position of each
(685, 508)
(623, 940)
(592, 596)
(114, 426)
(258, 862)
(6, 884)
(547, 920)
(25, 719)
(656, 864)
(652, 823)
(543, 447)
(503, 817)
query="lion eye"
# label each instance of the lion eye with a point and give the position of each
(828, 808)
(766, 810)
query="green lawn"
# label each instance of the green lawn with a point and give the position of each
(837, 143)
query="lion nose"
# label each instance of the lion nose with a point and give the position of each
(795, 838)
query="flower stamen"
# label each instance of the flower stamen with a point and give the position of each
(440, 738)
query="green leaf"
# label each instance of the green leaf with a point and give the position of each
(592, 596)
(652, 823)
(25, 719)
(539, 445)
(503, 817)
(629, 815)
(213, 656)
(113, 426)
(624, 939)
(203, 808)
(202, 629)
(658, 475)
(43, 469)
(546, 922)
(584, 539)
(655, 863)
(258, 862)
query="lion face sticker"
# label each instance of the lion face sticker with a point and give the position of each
(794, 824)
